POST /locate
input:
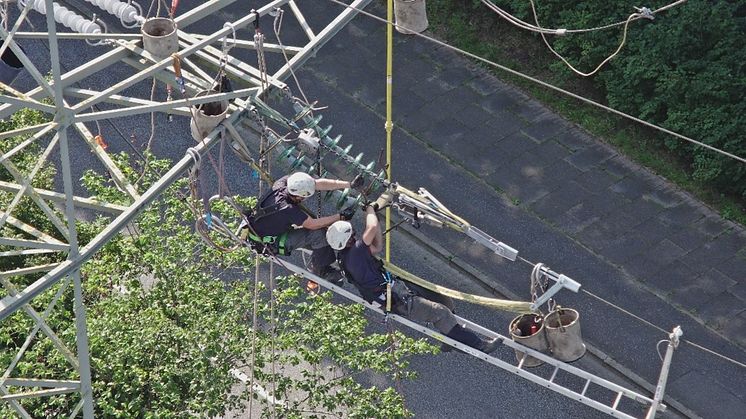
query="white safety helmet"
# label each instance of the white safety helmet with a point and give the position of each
(301, 184)
(338, 234)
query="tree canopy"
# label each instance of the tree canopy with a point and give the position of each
(171, 320)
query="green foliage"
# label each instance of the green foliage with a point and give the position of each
(169, 317)
(683, 71)
(24, 162)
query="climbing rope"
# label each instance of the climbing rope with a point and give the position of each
(277, 27)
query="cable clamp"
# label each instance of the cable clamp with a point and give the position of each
(645, 12)
(256, 19)
(196, 158)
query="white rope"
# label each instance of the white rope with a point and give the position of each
(643, 12)
(631, 17)
(555, 88)
(277, 27)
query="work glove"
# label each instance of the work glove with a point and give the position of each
(358, 183)
(383, 201)
(347, 213)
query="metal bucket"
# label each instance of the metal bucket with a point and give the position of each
(159, 37)
(10, 66)
(207, 116)
(520, 331)
(410, 14)
(563, 334)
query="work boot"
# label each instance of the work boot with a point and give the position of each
(489, 345)
(335, 276)
(470, 338)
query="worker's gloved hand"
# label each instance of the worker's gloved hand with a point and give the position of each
(358, 183)
(382, 202)
(347, 213)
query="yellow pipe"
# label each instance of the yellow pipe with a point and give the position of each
(389, 126)
(389, 123)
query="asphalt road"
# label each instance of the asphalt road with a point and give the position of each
(347, 77)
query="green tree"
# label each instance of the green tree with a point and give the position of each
(169, 318)
(683, 71)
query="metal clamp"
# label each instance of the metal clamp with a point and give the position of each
(560, 281)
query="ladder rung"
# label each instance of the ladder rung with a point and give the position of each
(617, 400)
(520, 363)
(585, 387)
(554, 374)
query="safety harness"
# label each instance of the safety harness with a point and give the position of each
(273, 244)
(401, 294)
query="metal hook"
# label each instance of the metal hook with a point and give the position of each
(138, 22)
(225, 47)
(104, 29)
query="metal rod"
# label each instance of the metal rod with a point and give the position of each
(58, 197)
(23, 144)
(152, 69)
(75, 35)
(27, 104)
(116, 174)
(124, 100)
(40, 324)
(74, 76)
(31, 192)
(27, 180)
(26, 130)
(140, 109)
(28, 65)
(660, 389)
(39, 393)
(322, 38)
(28, 229)
(28, 270)
(268, 47)
(34, 244)
(81, 333)
(301, 20)
(34, 382)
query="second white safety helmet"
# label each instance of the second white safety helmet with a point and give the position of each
(301, 184)
(338, 234)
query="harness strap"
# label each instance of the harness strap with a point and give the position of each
(270, 240)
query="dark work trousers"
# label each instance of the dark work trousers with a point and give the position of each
(431, 295)
(420, 309)
(315, 240)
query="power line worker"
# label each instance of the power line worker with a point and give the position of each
(362, 269)
(279, 224)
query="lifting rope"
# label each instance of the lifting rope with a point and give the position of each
(520, 307)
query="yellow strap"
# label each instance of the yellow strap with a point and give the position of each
(505, 305)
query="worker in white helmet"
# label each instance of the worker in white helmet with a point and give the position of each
(278, 224)
(357, 259)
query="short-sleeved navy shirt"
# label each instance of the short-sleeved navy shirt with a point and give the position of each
(362, 269)
(281, 221)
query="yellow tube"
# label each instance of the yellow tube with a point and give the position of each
(389, 125)
(505, 305)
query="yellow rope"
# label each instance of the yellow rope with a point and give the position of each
(389, 126)
(505, 305)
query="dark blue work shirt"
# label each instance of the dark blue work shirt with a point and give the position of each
(363, 270)
(283, 220)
